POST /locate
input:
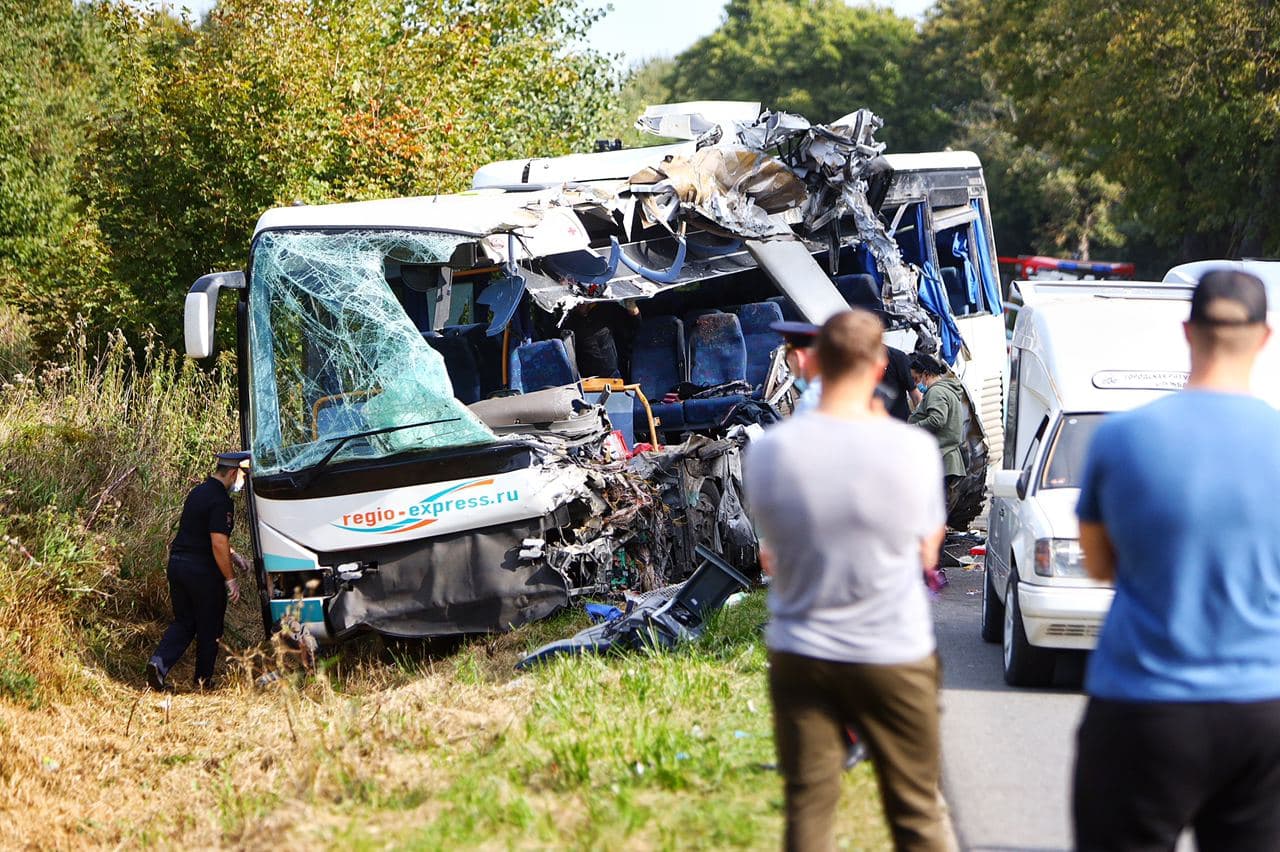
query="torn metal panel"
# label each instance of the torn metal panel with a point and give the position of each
(559, 296)
(842, 171)
(540, 230)
(734, 188)
(695, 119)
(791, 266)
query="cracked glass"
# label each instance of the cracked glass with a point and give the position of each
(333, 353)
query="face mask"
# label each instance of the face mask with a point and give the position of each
(801, 384)
(922, 387)
(237, 486)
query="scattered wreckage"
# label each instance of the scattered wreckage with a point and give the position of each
(428, 458)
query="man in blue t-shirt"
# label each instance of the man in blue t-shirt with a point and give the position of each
(1179, 508)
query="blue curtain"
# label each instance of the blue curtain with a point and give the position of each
(933, 296)
(960, 251)
(990, 281)
(866, 260)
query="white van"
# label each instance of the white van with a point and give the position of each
(1080, 351)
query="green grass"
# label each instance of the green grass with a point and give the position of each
(641, 750)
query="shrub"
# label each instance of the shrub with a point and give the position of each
(98, 452)
(16, 345)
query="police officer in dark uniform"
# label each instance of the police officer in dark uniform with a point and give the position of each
(202, 573)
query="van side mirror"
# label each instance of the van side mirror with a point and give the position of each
(1008, 484)
(201, 309)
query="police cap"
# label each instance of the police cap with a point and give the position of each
(239, 458)
(797, 334)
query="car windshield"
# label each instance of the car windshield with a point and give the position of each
(1064, 465)
(333, 353)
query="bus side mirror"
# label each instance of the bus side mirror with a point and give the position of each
(201, 310)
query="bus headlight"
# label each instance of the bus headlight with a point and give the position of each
(1059, 557)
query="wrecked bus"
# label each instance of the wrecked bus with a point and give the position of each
(428, 458)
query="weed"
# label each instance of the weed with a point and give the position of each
(18, 685)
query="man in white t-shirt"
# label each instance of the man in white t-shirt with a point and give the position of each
(850, 511)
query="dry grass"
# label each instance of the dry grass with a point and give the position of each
(98, 454)
(439, 753)
(16, 347)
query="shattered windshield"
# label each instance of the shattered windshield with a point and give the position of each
(334, 354)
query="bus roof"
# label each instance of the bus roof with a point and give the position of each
(474, 213)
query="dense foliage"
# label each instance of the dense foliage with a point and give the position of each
(1179, 102)
(144, 146)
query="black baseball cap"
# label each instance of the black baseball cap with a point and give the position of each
(801, 334)
(1229, 297)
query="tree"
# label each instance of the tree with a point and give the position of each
(55, 74)
(820, 58)
(949, 90)
(1176, 101)
(269, 102)
(644, 85)
(1038, 204)
(1042, 201)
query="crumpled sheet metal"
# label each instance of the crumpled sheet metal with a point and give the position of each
(822, 170)
(734, 188)
(559, 297)
(641, 509)
(748, 180)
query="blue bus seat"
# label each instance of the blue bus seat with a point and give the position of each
(540, 365)
(658, 367)
(789, 310)
(761, 340)
(860, 291)
(461, 364)
(717, 356)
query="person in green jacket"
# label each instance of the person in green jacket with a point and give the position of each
(941, 412)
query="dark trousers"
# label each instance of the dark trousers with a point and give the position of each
(1146, 771)
(199, 598)
(894, 708)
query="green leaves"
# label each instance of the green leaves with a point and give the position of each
(165, 152)
(1174, 101)
(820, 58)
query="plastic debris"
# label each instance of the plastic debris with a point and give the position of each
(599, 612)
(660, 619)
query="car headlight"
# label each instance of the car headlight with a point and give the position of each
(1059, 557)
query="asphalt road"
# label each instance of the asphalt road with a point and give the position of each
(1007, 753)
